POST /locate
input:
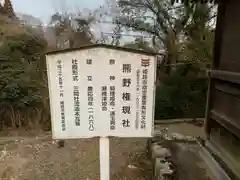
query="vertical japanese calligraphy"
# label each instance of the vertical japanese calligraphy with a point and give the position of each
(62, 110)
(126, 96)
(112, 99)
(75, 69)
(89, 78)
(126, 82)
(127, 68)
(144, 97)
(112, 61)
(76, 102)
(112, 96)
(104, 98)
(89, 61)
(112, 108)
(76, 105)
(145, 62)
(60, 83)
(101, 92)
(126, 123)
(112, 78)
(90, 109)
(137, 99)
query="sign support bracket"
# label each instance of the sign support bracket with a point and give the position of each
(104, 158)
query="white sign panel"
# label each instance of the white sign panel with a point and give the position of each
(101, 92)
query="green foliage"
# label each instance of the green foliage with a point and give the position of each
(140, 44)
(199, 50)
(181, 95)
(20, 74)
(76, 30)
(24, 46)
(172, 27)
(179, 30)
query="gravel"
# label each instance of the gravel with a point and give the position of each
(41, 159)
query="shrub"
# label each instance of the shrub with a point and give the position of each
(181, 96)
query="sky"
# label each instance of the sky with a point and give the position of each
(43, 9)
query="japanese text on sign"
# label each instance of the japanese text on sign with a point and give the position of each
(137, 99)
(101, 92)
(90, 109)
(60, 83)
(104, 98)
(112, 105)
(76, 105)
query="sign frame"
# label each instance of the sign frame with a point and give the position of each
(104, 140)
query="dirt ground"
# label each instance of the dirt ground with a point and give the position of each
(25, 156)
(189, 165)
(186, 129)
(185, 155)
(40, 159)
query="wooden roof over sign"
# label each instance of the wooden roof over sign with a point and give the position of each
(104, 46)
